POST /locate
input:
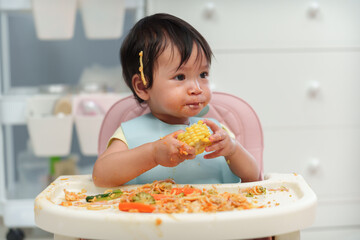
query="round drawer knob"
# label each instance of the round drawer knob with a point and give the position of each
(314, 165)
(209, 10)
(314, 9)
(314, 88)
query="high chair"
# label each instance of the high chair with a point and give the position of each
(226, 108)
(296, 211)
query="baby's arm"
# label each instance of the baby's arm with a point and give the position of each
(240, 161)
(118, 164)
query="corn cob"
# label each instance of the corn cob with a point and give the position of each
(197, 136)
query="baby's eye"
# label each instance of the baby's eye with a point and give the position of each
(180, 77)
(204, 74)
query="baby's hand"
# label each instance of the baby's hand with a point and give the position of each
(222, 143)
(170, 152)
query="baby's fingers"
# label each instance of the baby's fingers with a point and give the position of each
(213, 126)
(187, 150)
(218, 136)
(213, 154)
(216, 146)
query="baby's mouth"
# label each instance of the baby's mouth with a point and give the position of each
(195, 105)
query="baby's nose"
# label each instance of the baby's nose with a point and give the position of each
(194, 87)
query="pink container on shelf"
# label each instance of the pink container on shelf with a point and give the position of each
(89, 111)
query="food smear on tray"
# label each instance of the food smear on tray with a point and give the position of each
(166, 196)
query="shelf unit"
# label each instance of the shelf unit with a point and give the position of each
(12, 112)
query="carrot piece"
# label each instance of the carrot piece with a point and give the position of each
(160, 196)
(185, 190)
(141, 207)
(66, 204)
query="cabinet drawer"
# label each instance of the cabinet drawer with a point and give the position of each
(231, 24)
(280, 85)
(328, 159)
(351, 232)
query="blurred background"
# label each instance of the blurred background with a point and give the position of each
(297, 63)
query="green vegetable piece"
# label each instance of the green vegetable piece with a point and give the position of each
(262, 190)
(166, 185)
(249, 194)
(180, 195)
(212, 191)
(105, 196)
(143, 197)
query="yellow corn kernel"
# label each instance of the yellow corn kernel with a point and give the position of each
(197, 136)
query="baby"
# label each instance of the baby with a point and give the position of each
(166, 64)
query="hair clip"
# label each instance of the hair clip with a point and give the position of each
(141, 69)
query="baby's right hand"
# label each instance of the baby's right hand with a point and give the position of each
(170, 152)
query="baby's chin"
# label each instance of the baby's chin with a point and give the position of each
(193, 112)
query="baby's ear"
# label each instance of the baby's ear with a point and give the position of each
(139, 87)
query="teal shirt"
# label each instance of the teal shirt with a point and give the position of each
(147, 128)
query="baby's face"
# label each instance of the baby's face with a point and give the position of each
(179, 93)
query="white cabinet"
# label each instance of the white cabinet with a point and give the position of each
(297, 63)
(294, 88)
(232, 24)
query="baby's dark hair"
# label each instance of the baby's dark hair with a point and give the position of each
(152, 35)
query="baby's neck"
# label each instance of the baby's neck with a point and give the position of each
(173, 120)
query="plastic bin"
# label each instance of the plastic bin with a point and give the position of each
(50, 134)
(54, 19)
(89, 111)
(103, 19)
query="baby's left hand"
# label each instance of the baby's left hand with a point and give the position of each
(222, 143)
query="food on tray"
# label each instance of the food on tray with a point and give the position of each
(143, 197)
(136, 207)
(167, 197)
(253, 191)
(72, 196)
(197, 136)
(109, 195)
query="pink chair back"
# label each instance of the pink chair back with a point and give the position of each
(228, 109)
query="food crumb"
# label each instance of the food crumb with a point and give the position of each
(158, 221)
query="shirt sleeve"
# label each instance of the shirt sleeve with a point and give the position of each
(118, 134)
